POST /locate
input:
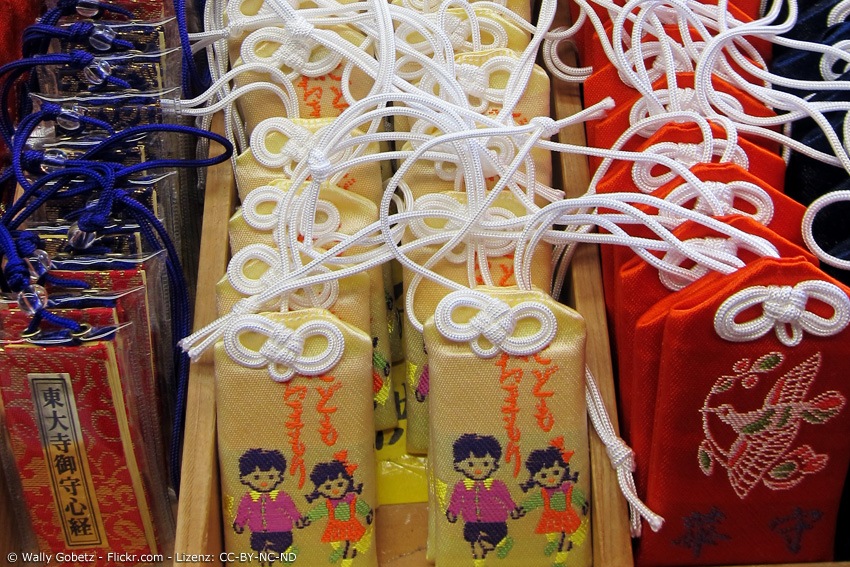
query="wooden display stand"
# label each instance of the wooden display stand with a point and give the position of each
(401, 529)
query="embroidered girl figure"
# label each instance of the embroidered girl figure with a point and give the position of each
(267, 512)
(335, 482)
(483, 502)
(549, 473)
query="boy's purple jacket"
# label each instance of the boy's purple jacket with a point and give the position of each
(481, 501)
(267, 512)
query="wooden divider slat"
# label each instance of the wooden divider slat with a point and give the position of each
(199, 509)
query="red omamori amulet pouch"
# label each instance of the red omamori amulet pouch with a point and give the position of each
(749, 452)
(639, 286)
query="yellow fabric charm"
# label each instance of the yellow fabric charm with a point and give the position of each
(319, 96)
(343, 213)
(429, 295)
(291, 454)
(526, 450)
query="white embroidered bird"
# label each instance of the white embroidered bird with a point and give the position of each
(765, 435)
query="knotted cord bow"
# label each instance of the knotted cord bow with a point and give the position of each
(496, 322)
(283, 350)
(783, 307)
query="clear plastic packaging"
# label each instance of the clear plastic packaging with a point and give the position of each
(119, 110)
(143, 72)
(143, 10)
(146, 37)
(72, 446)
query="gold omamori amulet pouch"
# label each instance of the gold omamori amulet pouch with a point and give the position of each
(296, 455)
(512, 486)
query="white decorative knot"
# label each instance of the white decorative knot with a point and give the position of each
(620, 454)
(474, 79)
(783, 307)
(678, 278)
(319, 165)
(458, 31)
(270, 195)
(283, 350)
(283, 346)
(299, 142)
(784, 303)
(295, 49)
(547, 125)
(723, 196)
(496, 322)
(252, 254)
(320, 295)
(300, 28)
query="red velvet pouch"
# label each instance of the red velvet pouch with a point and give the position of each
(749, 451)
(638, 286)
(766, 165)
(588, 39)
(604, 133)
(597, 58)
(786, 221)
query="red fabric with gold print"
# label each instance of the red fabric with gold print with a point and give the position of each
(73, 452)
(749, 446)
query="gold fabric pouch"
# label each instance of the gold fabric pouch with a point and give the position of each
(513, 487)
(497, 32)
(296, 458)
(486, 71)
(429, 294)
(520, 7)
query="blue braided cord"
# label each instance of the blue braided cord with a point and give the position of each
(16, 271)
(77, 32)
(26, 242)
(180, 320)
(193, 81)
(65, 282)
(49, 111)
(13, 219)
(17, 68)
(178, 128)
(60, 321)
(110, 79)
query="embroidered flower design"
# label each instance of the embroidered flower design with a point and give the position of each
(762, 449)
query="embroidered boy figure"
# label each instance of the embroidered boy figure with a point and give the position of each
(549, 472)
(484, 503)
(267, 512)
(334, 481)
